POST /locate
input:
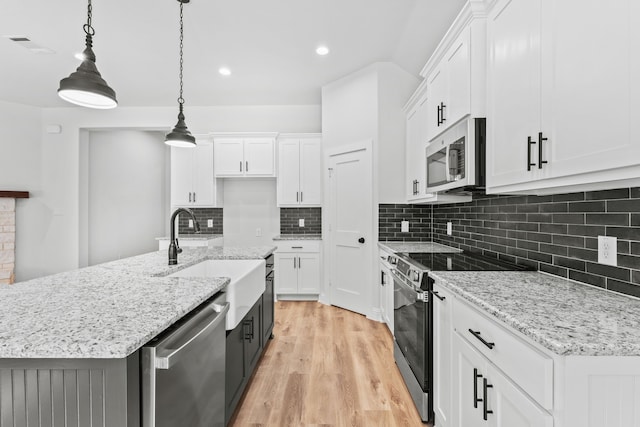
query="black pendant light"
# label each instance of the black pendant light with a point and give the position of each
(180, 135)
(85, 86)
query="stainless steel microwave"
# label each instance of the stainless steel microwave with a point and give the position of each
(456, 159)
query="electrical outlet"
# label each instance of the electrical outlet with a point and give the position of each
(210, 223)
(301, 222)
(404, 226)
(608, 250)
(449, 228)
(190, 223)
(258, 232)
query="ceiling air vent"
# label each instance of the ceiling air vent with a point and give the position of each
(28, 44)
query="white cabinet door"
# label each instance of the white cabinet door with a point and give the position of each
(510, 407)
(458, 67)
(181, 176)
(288, 172)
(468, 373)
(308, 273)
(437, 102)
(514, 86)
(586, 115)
(203, 180)
(443, 355)
(286, 273)
(416, 142)
(259, 157)
(310, 172)
(228, 158)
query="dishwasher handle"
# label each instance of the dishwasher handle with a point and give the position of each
(168, 350)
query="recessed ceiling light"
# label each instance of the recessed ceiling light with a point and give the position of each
(28, 44)
(224, 71)
(322, 50)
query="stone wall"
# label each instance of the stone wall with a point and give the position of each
(7, 240)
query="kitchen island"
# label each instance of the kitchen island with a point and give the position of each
(69, 343)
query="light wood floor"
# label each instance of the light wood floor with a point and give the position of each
(326, 367)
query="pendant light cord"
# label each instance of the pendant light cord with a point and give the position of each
(180, 99)
(88, 28)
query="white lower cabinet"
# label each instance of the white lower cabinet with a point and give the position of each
(442, 345)
(297, 265)
(488, 374)
(486, 397)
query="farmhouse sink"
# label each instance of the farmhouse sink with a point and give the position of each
(246, 286)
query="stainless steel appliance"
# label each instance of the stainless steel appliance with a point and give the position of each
(456, 159)
(413, 314)
(183, 371)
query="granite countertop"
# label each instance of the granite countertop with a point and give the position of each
(193, 237)
(566, 317)
(298, 237)
(109, 310)
(424, 247)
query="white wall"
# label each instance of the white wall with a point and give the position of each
(127, 194)
(250, 204)
(20, 170)
(59, 237)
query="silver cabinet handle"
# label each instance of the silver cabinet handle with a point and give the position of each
(297, 198)
(299, 263)
(246, 166)
(294, 262)
(240, 165)
(194, 197)
(189, 196)
(301, 197)
(168, 351)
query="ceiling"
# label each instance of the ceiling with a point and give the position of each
(269, 45)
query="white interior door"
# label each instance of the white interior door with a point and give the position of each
(351, 230)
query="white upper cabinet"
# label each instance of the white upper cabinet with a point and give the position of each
(561, 100)
(455, 74)
(416, 144)
(192, 179)
(299, 170)
(244, 156)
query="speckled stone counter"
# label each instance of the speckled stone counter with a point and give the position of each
(565, 317)
(298, 237)
(106, 311)
(194, 237)
(424, 247)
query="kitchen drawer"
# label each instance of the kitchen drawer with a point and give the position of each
(526, 366)
(299, 246)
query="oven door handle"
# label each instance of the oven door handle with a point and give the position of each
(399, 281)
(168, 350)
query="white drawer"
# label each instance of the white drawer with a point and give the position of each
(530, 369)
(298, 246)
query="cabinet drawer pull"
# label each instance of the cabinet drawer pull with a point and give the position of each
(482, 340)
(246, 166)
(302, 198)
(189, 196)
(442, 107)
(194, 197)
(529, 144)
(476, 375)
(299, 262)
(540, 161)
(240, 165)
(439, 111)
(485, 404)
(296, 247)
(294, 262)
(437, 295)
(250, 334)
(297, 196)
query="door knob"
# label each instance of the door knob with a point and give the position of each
(361, 240)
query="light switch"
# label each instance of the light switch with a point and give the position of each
(301, 222)
(404, 226)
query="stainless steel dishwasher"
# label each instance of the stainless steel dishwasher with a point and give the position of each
(183, 370)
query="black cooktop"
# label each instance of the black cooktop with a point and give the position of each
(463, 261)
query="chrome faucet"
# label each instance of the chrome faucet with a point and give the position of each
(174, 248)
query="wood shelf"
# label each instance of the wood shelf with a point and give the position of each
(15, 194)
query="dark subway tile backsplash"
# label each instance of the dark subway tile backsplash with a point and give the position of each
(289, 220)
(391, 216)
(557, 234)
(202, 215)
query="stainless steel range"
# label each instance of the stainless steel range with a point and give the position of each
(413, 314)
